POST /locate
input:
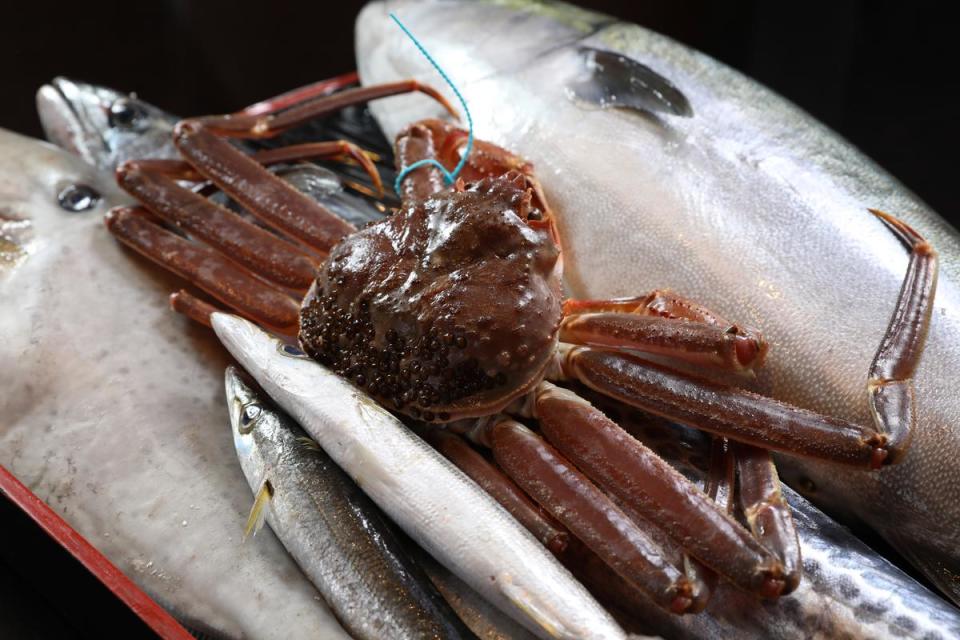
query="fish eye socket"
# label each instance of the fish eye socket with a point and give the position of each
(126, 113)
(292, 351)
(78, 197)
(249, 415)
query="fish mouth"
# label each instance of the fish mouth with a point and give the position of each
(68, 113)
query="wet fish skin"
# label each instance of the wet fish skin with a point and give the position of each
(339, 538)
(102, 382)
(749, 206)
(103, 126)
(432, 501)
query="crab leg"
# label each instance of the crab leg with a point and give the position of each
(207, 269)
(245, 243)
(728, 348)
(501, 488)
(588, 513)
(654, 490)
(890, 383)
(766, 509)
(301, 94)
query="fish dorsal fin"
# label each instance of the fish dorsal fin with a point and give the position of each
(308, 443)
(258, 512)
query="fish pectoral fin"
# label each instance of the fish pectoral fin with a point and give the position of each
(539, 612)
(308, 443)
(258, 512)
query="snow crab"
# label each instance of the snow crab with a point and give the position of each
(450, 311)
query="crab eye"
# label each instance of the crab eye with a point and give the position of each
(78, 197)
(127, 114)
(249, 416)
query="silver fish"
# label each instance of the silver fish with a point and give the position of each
(738, 199)
(432, 501)
(110, 410)
(103, 126)
(336, 534)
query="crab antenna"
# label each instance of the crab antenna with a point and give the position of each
(448, 176)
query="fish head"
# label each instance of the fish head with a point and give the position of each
(44, 193)
(246, 410)
(103, 126)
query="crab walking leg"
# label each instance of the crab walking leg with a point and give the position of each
(726, 348)
(206, 269)
(434, 502)
(890, 383)
(192, 307)
(721, 474)
(719, 409)
(301, 94)
(263, 194)
(766, 510)
(589, 514)
(501, 488)
(658, 493)
(243, 242)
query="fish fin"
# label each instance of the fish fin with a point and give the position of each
(258, 512)
(308, 443)
(618, 81)
(536, 611)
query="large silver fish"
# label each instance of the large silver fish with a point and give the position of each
(112, 411)
(705, 182)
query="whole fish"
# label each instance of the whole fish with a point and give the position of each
(111, 410)
(667, 169)
(336, 534)
(430, 499)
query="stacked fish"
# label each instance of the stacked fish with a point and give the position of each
(175, 521)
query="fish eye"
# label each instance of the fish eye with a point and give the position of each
(128, 114)
(292, 351)
(249, 415)
(78, 197)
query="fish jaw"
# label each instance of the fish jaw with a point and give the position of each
(444, 511)
(76, 116)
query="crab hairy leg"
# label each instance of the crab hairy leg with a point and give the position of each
(629, 470)
(205, 268)
(589, 514)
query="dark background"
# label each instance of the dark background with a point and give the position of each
(880, 73)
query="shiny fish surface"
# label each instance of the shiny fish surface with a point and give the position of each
(112, 409)
(740, 200)
(439, 507)
(340, 539)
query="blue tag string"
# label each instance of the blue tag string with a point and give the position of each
(448, 176)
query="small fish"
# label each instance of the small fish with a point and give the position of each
(111, 411)
(445, 512)
(339, 538)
